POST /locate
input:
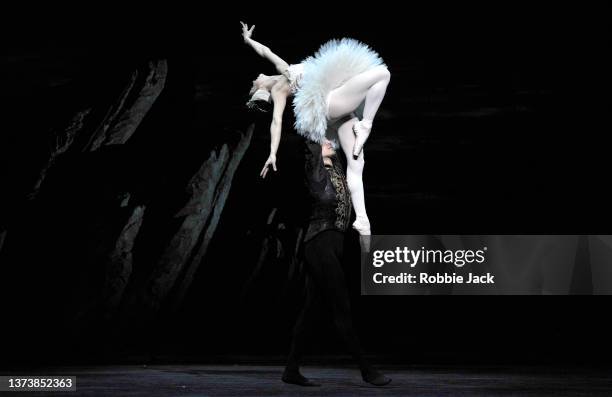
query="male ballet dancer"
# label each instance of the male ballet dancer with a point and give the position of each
(330, 214)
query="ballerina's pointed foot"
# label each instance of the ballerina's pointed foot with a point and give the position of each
(362, 132)
(365, 235)
(362, 225)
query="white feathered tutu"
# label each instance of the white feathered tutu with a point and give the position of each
(335, 62)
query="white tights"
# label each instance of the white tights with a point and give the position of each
(369, 86)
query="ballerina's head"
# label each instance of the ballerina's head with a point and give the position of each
(260, 92)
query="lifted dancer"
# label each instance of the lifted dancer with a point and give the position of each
(341, 79)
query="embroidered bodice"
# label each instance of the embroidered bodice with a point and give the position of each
(330, 199)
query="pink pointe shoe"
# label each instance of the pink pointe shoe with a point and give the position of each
(362, 132)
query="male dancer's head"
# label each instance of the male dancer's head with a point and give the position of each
(328, 151)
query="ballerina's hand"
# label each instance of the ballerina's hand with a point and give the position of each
(271, 161)
(246, 32)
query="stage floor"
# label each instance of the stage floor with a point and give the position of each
(261, 380)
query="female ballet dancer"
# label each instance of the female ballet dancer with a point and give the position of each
(328, 90)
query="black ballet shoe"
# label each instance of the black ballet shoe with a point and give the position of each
(375, 378)
(296, 378)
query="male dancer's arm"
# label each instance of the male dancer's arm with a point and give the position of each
(314, 169)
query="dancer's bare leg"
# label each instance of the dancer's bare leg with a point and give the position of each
(369, 86)
(354, 176)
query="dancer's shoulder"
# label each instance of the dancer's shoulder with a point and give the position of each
(293, 73)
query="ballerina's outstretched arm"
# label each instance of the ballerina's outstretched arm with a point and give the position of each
(279, 99)
(262, 50)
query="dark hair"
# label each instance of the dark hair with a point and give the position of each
(257, 102)
(259, 105)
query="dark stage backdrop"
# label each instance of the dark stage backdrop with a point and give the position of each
(133, 224)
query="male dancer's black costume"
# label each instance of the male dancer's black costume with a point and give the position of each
(330, 214)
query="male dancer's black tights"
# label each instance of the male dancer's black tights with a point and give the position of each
(326, 286)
